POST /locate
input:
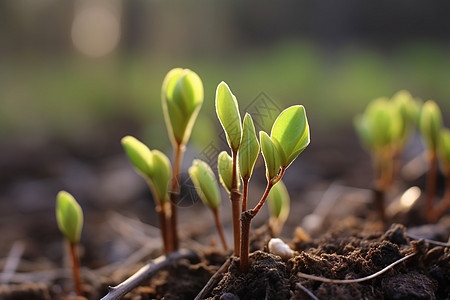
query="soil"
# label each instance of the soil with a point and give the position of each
(120, 234)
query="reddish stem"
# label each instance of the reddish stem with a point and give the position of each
(431, 185)
(164, 228)
(244, 193)
(174, 193)
(76, 268)
(235, 197)
(220, 228)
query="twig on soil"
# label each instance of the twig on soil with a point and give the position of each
(308, 292)
(118, 291)
(213, 280)
(330, 280)
(14, 256)
(413, 237)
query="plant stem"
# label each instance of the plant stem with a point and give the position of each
(431, 185)
(174, 193)
(246, 219)
(164, 228)
(244, 193)
(76, 268)
(220, 228)
(235, 197)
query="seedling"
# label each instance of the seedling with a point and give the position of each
(155, 168)
(378, 129)
(444, 159)
(182, 98)
(430, 127)
(208, 189)
(69, 216)
(279, 201)
(228, 113)
(288, 138)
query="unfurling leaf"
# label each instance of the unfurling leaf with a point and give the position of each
(270, 154)
(225, 168)
(153, 165)
(431, 124)
(290, 133)
(205, 183)
(227, 110)
(139, 155)
(69, 216)
(182, 98)
(279, 202)
(249, 149)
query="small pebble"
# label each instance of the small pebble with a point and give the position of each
(280, 248)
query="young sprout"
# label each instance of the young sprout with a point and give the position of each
(155, 168)
(444, 159)
(279, 205)
(182, 98)
(207, 188)
(225, 168)
(228, 113)
(289, 137)
(247, 155)
(430, 127)
(377, 129)
(69, 216)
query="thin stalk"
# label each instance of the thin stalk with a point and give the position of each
(235, 197)
(220, 228)
(164, 228)
(431, 184)
(381, 181)
(246, 219)
(244, 193)
(174, 193)
(76, 268)
(445, 202)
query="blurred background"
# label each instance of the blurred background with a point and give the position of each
(76, 76)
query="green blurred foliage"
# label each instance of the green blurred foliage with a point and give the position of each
(73, 96)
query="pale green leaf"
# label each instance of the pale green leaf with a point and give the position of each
(270, 154)
(69, 216)
(249, 149)
(225, 168)
(279, 202)
(227, 110)
(205, 183)
(431, 124)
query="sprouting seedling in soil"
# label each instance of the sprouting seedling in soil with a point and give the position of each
(247, 155)
(279, 206)
(288, 138)
(182, 98)
(69, 216)
(155, 168)
(430, 127)
(228, 113)
(208, 189)
(444, 159)
(408, 112)
(377, 129)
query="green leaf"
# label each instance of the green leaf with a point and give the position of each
(444, 149)
(270, 154)
(279, 202)
(225, 168)
(69, 216)
(431, 124)
(205, 183)
(228, 113)
(290, 133)
(182, 98)
(139, 155)
(153, 166)
(161, 174)
(380, 125)
(249, 149)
